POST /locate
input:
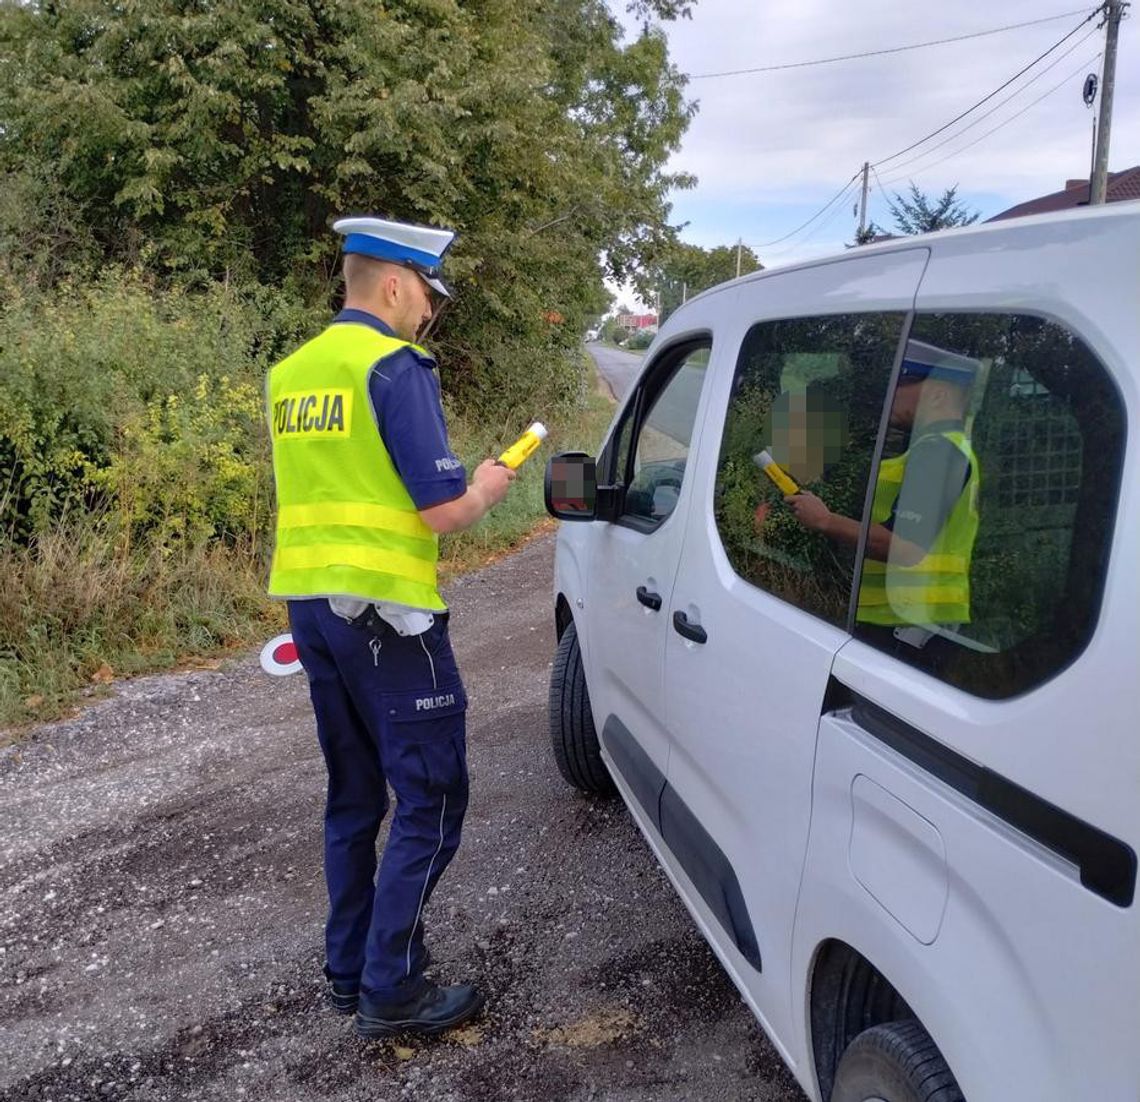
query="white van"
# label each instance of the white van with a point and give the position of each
(881, 734)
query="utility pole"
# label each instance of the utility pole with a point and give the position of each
(739, 246)
(1113, 10)
(1092, 164)
(863, 202)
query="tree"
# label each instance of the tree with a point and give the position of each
(686, 270)
(218, 139)
(868, 234)
(918, 214)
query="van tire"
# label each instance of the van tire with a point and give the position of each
(572, 736)
(894, 1062)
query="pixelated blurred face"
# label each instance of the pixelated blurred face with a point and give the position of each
(573, 484)
(809, 432)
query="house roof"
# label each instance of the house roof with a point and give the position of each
(1121, 186)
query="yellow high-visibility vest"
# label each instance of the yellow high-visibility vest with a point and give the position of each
(936, 590)
(346, 525)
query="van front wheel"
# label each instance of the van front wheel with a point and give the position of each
(572, 735)
(894, 1062)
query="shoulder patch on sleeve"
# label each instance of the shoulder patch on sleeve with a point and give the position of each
(423, 356)
(393, 365)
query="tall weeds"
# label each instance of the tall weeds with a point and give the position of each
(96, 595)
(79, 605)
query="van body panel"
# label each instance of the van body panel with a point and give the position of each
(571, 568)
(1019, 1007)
(742, 709)
(625, 666)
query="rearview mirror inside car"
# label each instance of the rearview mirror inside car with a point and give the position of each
(571, 488)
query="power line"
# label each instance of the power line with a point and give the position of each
(985, 99)
(890, 50)
(830, 203)
(998, 106)
(807, 236)
(993, 130)
(879, 184)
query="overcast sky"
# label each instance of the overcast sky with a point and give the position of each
(770, 149)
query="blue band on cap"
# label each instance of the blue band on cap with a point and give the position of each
(917, 370)
(377, 247)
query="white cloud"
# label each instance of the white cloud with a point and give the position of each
(770, 149)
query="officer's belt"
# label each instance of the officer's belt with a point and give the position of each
(370, 620)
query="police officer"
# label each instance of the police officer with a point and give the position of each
(366, 480)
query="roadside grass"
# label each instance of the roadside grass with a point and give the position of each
(78, 610)
(80, 607)
(512, 522)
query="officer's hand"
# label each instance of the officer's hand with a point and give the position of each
(809, 510)
(493, 480)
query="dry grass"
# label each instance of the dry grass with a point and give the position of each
(78, 607)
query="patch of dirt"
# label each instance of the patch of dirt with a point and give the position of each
(607, 1026)
(162, 904)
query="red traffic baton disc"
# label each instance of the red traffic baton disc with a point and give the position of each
(279, 656)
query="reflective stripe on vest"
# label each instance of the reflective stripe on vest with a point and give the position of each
(346, 525)
(935, 590)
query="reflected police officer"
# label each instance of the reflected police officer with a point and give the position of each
(366, 480)
(924, 516)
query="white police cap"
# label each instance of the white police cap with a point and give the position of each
(420, 248)
(926, 361)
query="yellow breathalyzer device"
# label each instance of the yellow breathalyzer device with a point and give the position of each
(784, 481)
(524, 447)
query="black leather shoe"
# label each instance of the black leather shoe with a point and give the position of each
(432, 1009)
(341, 995)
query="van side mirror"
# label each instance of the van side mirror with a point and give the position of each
(571, 486)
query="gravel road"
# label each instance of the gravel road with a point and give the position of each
(161, 905)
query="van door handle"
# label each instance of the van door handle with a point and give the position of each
(688, 629)
(650, 600)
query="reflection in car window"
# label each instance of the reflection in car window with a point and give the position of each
(1009, 490)
(659, 455)
(808, 392)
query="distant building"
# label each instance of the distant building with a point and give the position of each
(1122, 186)
(637, 321)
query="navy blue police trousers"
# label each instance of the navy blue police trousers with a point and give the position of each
(391, 711)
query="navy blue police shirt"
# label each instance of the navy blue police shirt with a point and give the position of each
(406, 404)
(937, 472)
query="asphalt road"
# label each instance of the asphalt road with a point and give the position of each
(161, 905)
(673, 413)
(618, 369)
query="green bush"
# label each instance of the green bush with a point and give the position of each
(136, 507)
(143, 405)
(639, 341)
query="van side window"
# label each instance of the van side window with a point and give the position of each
(998, 481)
(809, 392)
(653, 442)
